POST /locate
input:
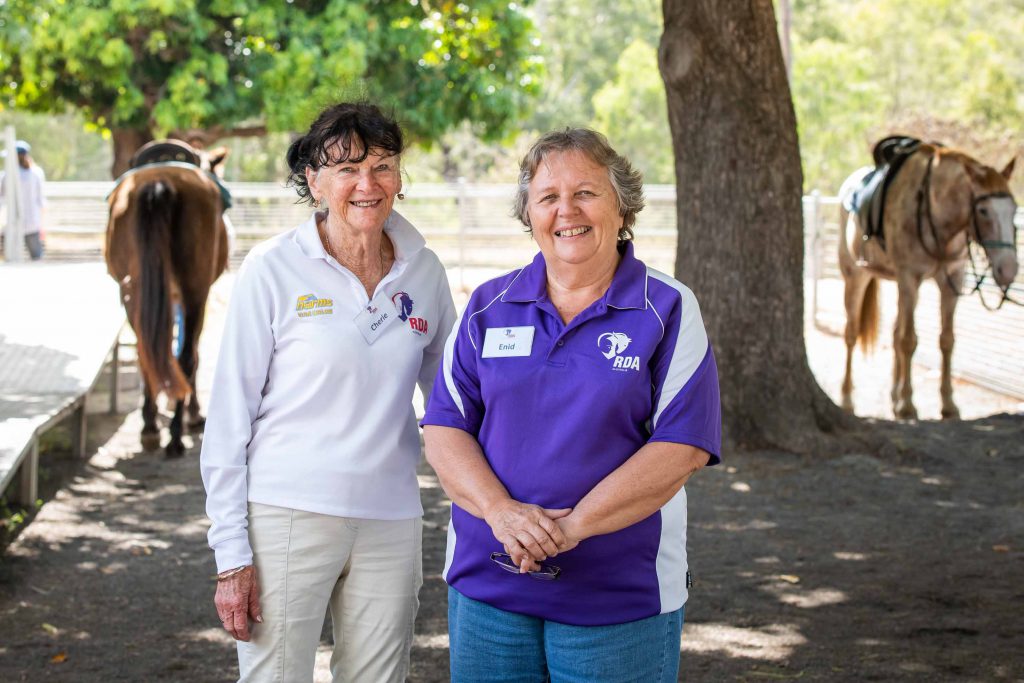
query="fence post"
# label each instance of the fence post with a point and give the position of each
(815, 252)
(13, 236)
(28, 487)
(114, 373)
(462, 202)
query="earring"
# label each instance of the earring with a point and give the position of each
(400, 196)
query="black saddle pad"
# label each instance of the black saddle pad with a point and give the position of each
(868, 200)
(165, 150)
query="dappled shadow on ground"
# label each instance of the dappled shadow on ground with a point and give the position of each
(901, 565)
(898, 566)
(111, 582)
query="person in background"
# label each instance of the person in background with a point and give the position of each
(32, 187)
(576, 397)
(311, 445)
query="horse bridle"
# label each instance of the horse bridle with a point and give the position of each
(924, 202)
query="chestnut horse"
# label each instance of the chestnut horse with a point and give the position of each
(939, 202)
(166, 244)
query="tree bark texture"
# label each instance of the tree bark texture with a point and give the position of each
(126, 141)
(740, 245)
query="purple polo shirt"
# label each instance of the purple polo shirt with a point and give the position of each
(556, 414)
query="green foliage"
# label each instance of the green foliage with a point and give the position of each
(166, 65)
(582, 41)
(632, 109)
(12, 517)
(64, 145)
(939, 69)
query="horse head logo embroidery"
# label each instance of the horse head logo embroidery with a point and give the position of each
(612, 343)
(403, 302)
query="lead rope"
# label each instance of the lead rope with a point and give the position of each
(995, 244)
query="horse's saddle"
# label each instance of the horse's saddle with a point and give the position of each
(165, 150)
(868, 200)
(172, 153)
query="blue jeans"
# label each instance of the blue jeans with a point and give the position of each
(489, 645)
(34, 244)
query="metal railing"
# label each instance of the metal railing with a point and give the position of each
(469, 227)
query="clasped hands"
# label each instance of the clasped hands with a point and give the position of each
(531, 534)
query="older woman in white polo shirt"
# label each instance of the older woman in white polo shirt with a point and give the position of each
(311, 443)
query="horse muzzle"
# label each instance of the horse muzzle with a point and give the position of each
(1004, 266)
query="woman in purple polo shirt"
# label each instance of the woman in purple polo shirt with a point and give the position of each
(576, 397)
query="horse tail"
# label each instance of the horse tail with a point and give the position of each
(867, 333)
(159, 210)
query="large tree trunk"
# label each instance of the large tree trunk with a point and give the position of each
(126, 141)
(739, 184)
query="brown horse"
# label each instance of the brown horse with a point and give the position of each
(166, 244)
(939, 202)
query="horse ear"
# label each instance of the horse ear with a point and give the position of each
(217, 157)
(1008, 170)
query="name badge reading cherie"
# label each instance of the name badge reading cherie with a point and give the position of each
(507, 342)
(375, 317)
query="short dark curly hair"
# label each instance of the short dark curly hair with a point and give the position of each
(350, 124)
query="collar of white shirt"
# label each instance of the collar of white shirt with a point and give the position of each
(406, 239)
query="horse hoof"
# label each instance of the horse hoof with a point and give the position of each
(150, 440)
(906, 412)
(847, 406)
(175, 449)
(197, 424)
(951, 413)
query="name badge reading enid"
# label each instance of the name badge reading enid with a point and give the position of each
(508, 342)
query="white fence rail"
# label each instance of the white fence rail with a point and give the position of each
(469, 226)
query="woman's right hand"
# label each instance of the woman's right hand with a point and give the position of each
(528, 532)
(237, 601)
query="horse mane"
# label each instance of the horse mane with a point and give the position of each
(985, 177)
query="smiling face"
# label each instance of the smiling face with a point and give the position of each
(573, 211)
(359, 194)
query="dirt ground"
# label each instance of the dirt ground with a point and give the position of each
(900, 565)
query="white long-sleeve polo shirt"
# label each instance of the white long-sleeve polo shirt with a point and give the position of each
(304, 412)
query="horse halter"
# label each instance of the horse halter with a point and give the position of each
(924, 202)
(990, 244)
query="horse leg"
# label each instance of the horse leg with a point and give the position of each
(188, 361)
(150, 437)
(949, 289)
(853, 297)
(194, 327)
(176, 447)
(904, 345)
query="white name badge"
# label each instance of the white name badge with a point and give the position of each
(508, 342)
(375, 317)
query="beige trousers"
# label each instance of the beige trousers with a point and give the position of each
(367, 571)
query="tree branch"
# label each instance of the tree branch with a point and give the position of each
(204, 137)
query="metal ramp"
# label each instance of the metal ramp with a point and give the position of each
(59, 325)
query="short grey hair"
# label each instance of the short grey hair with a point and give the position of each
(627, 181)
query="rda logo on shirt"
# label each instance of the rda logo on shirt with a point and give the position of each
(612, 344)
(403, 303)
(309, 305)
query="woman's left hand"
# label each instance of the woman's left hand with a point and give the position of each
(528, 532)
(238, 601)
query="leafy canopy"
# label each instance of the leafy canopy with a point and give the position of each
(167, 65)
(939, 69)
